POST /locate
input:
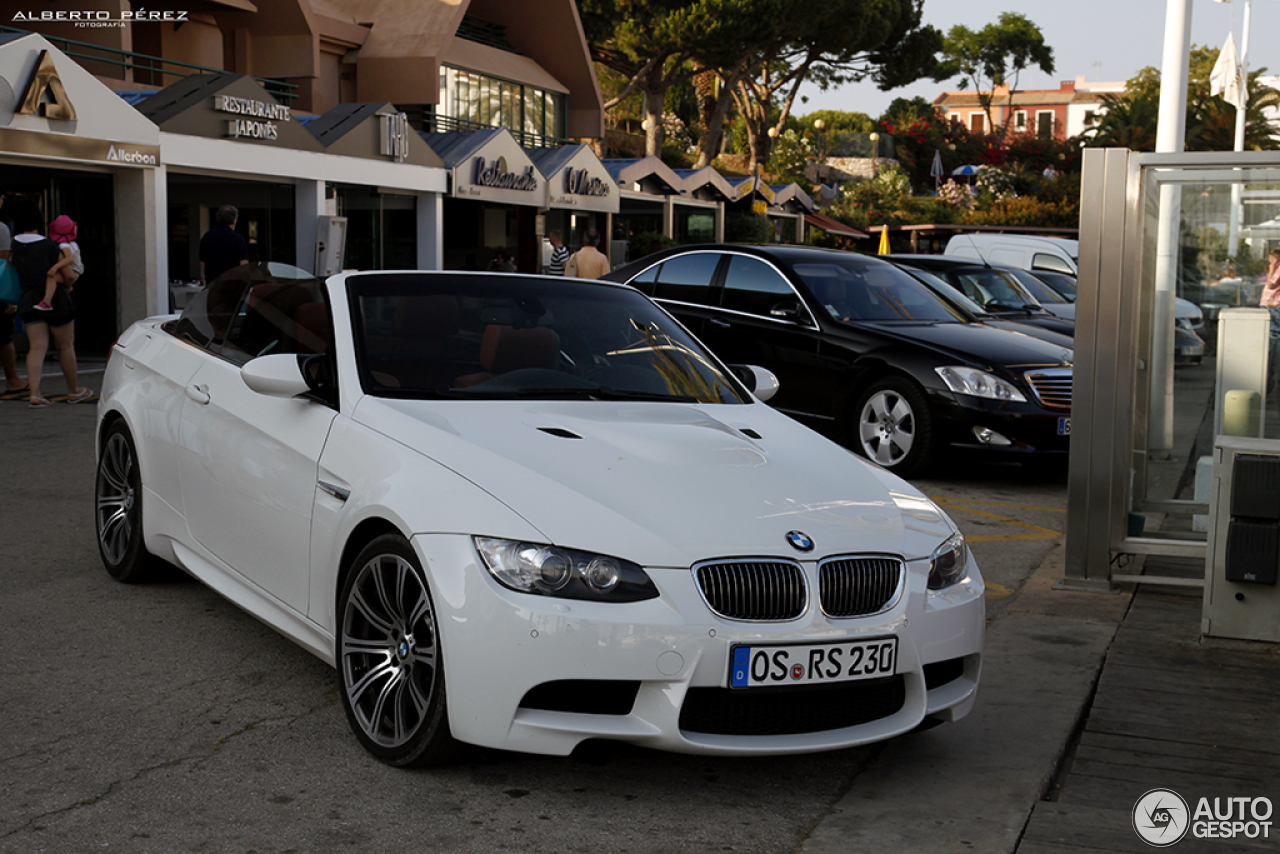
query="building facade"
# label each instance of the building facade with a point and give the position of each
(1061, 113)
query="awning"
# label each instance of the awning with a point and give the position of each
(832, 226)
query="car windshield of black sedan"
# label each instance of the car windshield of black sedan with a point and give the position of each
(492, 336)
(855, 290)
(992, 289)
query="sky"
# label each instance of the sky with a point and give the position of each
(1103, 40)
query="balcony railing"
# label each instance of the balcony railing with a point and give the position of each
(151, 70)
(436, 123)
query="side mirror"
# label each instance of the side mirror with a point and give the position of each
(277, 375)
(759, 381)
(787, 310)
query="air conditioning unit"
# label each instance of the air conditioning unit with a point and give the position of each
(1241, 598)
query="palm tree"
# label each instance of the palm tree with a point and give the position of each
(1128, 122)
(1211, 124)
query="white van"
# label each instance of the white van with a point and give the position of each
(1024, 251)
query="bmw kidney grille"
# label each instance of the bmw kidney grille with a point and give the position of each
(776, 590)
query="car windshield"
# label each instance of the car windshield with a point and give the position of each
(1060, 282)
(992, 289)
(1039, 288)
(491, 336)
(856, 289)
(949, 291)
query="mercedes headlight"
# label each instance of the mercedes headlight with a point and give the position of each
(947, 564)
(978, 383)
(565, 573)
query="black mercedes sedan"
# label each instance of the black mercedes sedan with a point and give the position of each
(866, 352)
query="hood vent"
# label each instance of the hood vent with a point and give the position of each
(749, 433)
(560, 432)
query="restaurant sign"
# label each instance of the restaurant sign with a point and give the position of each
(496, 174)
(261, 120)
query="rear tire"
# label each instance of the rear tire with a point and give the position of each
(893, 427)
(390, 669)
(118, 510)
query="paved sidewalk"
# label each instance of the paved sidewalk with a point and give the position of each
(970, 786)
(1044, 765)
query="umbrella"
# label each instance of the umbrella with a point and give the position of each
(936, 171)
(884, 241)
(965, 170)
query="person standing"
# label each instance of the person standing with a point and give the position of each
(8, 354)
(37, 258)
(559, 253)
(1270, 300)
(222, 247)
(588, 262)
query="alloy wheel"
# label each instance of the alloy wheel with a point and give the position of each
(389, 653)
(118, 499)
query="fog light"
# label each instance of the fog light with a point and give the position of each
(987, 436)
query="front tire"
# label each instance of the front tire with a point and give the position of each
(390, 670)
(894, 427)
(118, 510)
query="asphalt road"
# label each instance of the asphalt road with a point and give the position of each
(160, 718)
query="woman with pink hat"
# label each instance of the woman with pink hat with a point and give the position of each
(63, 231)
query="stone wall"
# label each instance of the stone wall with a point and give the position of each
(841, 169)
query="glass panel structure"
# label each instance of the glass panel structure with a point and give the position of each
(1172, 351)
(469, 101)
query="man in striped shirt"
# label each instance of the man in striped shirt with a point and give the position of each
(559, 254)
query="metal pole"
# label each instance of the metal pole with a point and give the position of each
(1170, 137)
(1233, 227)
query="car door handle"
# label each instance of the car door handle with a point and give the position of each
(723, 324)
(198, 393)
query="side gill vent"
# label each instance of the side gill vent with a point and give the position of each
(747, 431)
(560, 432)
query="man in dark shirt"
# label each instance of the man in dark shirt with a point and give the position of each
(222, 247)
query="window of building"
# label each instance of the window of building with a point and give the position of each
(1044, 123)
(469, 101)
(1089, 118)
(977, 123)
(1020, 120)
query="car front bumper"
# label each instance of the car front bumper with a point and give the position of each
(1019, 428)
(540, 674)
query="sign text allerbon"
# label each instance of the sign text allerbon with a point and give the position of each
(580, 182)
(260, 117)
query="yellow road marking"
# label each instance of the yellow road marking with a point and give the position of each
(1040, 533)
(941, 498)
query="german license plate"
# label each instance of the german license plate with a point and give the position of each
(1064, 426)
(809, 664)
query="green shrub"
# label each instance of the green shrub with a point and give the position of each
(646, 242)
(743, 227)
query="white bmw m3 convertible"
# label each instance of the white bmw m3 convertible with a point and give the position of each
(523, 512)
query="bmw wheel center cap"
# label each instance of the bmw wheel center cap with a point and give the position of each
(800, 541)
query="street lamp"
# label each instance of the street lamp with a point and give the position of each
(875, 152)
(821, 153)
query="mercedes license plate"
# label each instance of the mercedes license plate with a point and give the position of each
(809, 664)
(1064, 426)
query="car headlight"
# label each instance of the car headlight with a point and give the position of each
(946, 565)
(565, 573)
(978, 383)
